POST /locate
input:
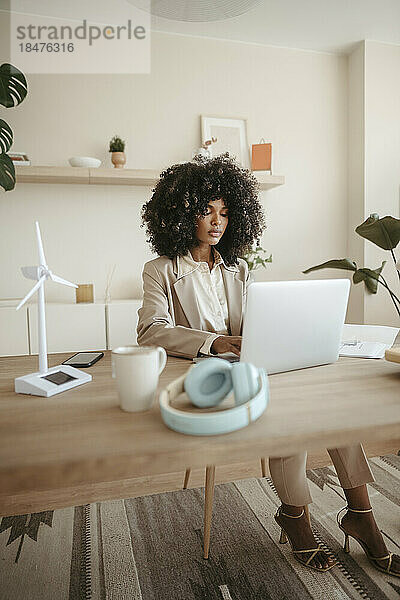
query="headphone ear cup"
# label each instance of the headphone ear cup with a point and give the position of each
(245, 382)
(208, 382)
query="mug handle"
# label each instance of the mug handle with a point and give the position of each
(162, 357)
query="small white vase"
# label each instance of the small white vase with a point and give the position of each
(205, 152)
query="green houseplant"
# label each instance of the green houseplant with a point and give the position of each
(384, 233)
(117, 147)
(13, 90)
(256, 259)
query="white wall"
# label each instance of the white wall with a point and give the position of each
(296, 99)
(382, 164)
(374, 167)
(356, 175)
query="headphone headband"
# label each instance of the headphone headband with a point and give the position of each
(212, 423)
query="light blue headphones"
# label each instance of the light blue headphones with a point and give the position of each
(207, 384)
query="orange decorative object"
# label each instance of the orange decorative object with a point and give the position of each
(261, 155)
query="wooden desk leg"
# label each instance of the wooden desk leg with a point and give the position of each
(263, 467)
(208, 506)
(186, 481)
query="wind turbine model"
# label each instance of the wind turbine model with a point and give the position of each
(46, 382)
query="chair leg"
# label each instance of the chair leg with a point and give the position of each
(186, 480)
(307, 512)
(208, 506)
(263, 467)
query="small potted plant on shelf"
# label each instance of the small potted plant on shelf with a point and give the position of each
(117, 147)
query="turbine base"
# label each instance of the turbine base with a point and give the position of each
(56, 380)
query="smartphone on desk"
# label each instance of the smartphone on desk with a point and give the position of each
(83, 359)
(229, 356)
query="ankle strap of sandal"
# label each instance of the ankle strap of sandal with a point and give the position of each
(354, 510)
(291, 516)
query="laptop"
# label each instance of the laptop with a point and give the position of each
(294, 324)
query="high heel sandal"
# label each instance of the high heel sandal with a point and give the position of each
(298, 554)
(372, 559)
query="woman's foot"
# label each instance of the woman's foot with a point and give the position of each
(301, 536)
(363, 526)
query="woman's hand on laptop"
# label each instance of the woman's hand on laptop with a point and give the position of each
(227, 343)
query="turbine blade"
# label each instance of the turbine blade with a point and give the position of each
(30, 272)
(33, 290)
(58, 279)
(42, 259)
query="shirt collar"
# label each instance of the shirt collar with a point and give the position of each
(186, 264)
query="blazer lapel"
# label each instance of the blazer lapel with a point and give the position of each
(234, 297)
(185, 292)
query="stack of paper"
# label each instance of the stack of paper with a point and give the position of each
(367, 341)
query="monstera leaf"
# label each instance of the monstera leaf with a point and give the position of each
(7, 173)
(369, 277)
(337, 263)
(385, 232)
(6, 136)
(13, 90)
(13, 86)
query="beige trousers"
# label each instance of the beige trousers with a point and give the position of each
(289, 473)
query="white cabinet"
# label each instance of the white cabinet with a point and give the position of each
(14, 339)
(70, 327)
(121, 319)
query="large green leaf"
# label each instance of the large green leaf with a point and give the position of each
(6, 136)
(13, 85)
(384, 232)
(7, 172)
(369, 277)
(337, 263)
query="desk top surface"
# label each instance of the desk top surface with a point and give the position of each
(82, 435)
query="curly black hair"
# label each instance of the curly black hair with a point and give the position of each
(182, 195)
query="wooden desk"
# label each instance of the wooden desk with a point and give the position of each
(82, 436)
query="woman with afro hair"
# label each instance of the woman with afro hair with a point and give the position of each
(202, 217)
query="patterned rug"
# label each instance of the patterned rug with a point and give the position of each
(150, 548)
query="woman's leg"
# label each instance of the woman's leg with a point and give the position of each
(351, 466)
(354, 473)
(289, 477)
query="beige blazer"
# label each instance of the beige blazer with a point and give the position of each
(169, 316)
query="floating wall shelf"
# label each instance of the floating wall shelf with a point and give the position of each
(82, 175)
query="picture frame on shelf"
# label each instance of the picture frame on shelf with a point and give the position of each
(231, 135)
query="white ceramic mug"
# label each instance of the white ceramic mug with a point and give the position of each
(136, 369)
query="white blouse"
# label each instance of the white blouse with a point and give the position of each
(210, 295)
